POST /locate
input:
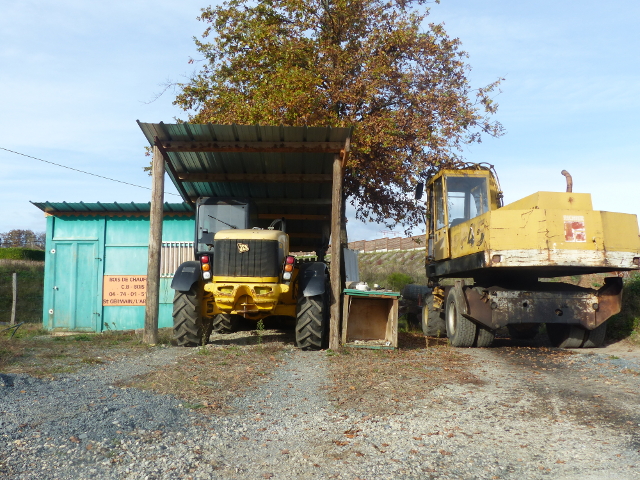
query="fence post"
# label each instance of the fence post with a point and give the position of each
(15, 298)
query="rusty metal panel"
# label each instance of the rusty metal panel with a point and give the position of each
(497, 307)
(609, 299)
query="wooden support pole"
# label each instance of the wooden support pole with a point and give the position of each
(150, 334)
(336, 254)
(14, 278)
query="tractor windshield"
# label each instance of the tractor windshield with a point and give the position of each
(466, 198)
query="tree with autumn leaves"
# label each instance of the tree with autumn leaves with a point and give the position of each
(374, 65)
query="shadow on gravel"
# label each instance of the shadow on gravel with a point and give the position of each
(6, 380)
(253, 337)
(582, 386)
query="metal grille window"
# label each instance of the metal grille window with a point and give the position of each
(172, 255)
(260, 259)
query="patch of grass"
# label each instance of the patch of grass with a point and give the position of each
(83, 338)
(34, 351)
(403, 324)
(383, 382)
(30, 276)
(92, 360)
(208, 382)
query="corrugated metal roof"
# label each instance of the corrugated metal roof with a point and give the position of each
(110, 207)
(287, 171)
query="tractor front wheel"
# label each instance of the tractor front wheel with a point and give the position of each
(226, 323)
(187, 320)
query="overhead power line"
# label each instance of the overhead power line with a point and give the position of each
(82, 171)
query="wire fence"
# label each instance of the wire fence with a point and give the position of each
(30, 287)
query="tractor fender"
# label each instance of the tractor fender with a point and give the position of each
(187, 274)
(312, 278)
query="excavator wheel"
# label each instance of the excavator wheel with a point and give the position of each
(523, 331)
(433, 323)
(595, 337)
(460, 331)
(187, 321)
(225, 323)
(484, 336)
(563, 335)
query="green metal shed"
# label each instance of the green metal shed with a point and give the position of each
(96, 263)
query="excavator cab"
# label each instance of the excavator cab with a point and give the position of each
(456, 197)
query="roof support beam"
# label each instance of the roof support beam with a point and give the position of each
(172, 171)
(253, 147)
(292, 201)
(152, 307)
(285, 201)
(292, 216)
(336, 255)
(256, 177)
(304, 235)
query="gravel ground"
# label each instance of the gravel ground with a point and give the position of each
(536, 414)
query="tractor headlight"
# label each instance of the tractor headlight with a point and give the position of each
(286, 276)
(206, 275)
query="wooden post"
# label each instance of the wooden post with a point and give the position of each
(150, 335)
(14, 278)
(336, 254)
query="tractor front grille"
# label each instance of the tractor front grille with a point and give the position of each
(246, 258)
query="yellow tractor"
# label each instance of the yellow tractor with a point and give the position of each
(243, 272)
(491, 266)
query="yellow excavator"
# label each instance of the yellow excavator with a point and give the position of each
(491, 266)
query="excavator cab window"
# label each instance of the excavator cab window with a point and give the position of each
(439, 203)
(466, 198)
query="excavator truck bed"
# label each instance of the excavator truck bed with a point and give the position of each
(492, 266)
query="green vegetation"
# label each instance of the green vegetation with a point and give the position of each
(626, 324)
(35, 351)
(394, 269)
(19, 253)
(30, 277)
(396, 281)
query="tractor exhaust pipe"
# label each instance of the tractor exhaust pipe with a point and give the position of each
(569, 180)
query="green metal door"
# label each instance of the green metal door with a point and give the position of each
(75, 285)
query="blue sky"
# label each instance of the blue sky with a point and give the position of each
(75, 76)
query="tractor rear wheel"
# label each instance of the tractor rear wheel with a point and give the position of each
(225, 323)
(460, 331)
(563, 335)
(187, 320)
(312, 322)
(433, 323)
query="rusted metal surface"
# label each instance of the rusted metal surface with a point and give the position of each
(563, 303)
(479, 306)
(609, 299)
